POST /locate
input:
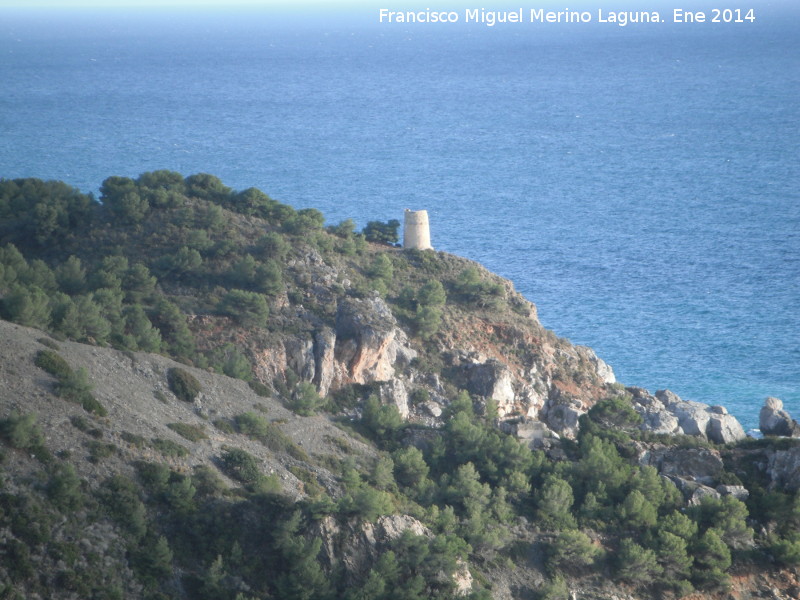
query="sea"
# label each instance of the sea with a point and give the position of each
(638, 183)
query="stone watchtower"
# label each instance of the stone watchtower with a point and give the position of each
(416, 231)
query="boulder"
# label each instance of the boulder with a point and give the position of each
(693, 417)
(737, 491)
(773, 420)
(563, 418)
(434, 409)
(700, 493)
(724, 428)
(656, 418)
(667, 413)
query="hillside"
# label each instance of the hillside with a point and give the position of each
(209, 394)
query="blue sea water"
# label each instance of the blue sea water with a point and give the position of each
(639, 184)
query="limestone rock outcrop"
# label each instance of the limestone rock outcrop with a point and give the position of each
(492, 379)
(324, 349)
(354, 546)
(368, 341)
(667, 413)
(773, 420)
(700, 465)
(365, 346)
(784, 469)
(603, 370)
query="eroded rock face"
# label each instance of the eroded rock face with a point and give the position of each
(700, 465)
(366, 346)
(492, 379)
(667, 413)
(300, 357)
(368, 341)
(603, 370)
(355, 545)
(324, 367)
(563, 417)
(784, 469)
(773, 420)
(394, 392)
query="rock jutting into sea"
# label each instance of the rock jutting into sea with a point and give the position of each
(773, 420)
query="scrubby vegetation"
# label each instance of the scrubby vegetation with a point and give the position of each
(183, 384)
(133, 269)
(191, 269)
(71, 385)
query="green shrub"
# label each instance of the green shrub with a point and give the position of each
(76, 387)
(410, 468)
(153, 476)
(310, 484)
(92, 405)
(267, 485)
(427, 320)
(252, 425)
(269, 434)
(64, 488)
(432, 294)
(224, 425)
(53, 363)
(259, 388)
(120, 498)
(240, 465)
(571, 549)
(556, 589)
(169, 448)
(249, 309)
(207, 482)
(72, 385)
(381, 268)
(636, 565)
(183, 384)
(100, 450)
(193, 433)
(473, 288)
(382, 233)
(81, 424)
(153, 559)
(786, 551)
(382, 421)
(22, 431)
(49, 342)
(305, 400)
(17, 561)
(134, 440)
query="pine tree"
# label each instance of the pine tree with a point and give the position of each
(635, 564)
